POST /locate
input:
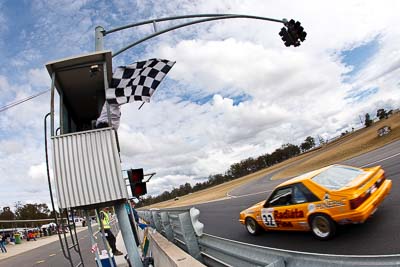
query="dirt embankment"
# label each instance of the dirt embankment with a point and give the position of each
(360, 142)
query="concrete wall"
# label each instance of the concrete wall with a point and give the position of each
(167, 254)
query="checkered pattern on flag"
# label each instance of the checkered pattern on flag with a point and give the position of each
(137, 82)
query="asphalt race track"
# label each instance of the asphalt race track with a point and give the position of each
(377, 236)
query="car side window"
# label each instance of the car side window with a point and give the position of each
(281, 197)
(298, 196)
(310, 197)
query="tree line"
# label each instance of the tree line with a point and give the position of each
(381, 114)
(236, 170)
(24, 212)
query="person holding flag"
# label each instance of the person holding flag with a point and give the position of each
(135, 82)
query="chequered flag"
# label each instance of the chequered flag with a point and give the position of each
(137, 82)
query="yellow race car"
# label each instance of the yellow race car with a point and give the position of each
(319, 200)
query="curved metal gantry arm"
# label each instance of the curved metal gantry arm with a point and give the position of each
(208, 17)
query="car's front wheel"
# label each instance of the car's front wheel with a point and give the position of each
(322, 226)
(252, 226)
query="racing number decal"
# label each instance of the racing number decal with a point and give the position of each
(268, 217)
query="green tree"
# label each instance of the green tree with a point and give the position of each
(310, 140)
(32, 211)
(6, 214)
(290, 150)
(308, 143)
(305, 146)
(368, 121)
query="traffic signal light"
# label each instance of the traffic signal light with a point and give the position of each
(293, 34)
(286, 38)
(138, 187)
(135, 175)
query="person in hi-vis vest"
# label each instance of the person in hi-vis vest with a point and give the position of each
(104, 217)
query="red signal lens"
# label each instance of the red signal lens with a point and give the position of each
(139, 189)
(135, 175)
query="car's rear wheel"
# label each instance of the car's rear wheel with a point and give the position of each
(252, 226)
(322, 226)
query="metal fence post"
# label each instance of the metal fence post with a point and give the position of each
(156, 221)
(127, 235)
(197, 225)
(167, 226)
(149, 218)
(189, 236)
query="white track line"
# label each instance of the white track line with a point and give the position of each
(231, 196)
(392, 156)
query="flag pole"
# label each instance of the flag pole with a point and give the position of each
(141, 105)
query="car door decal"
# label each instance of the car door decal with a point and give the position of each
(268, 217)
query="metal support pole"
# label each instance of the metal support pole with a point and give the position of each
(92, 241)
(62, 130)
(99, 38)
(105, 93)
(127, 235)
(133, 224)
(53, 77)
(99, 46)
(232, 16)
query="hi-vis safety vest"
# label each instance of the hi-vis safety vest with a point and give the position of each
(105, 220)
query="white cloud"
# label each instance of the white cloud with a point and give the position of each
(4, 85)
(38, 172)
(10, 147)
(39, 78)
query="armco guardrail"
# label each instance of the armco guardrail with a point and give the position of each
(183, 228)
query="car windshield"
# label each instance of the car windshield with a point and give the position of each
(337, 177)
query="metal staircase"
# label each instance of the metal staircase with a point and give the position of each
(66, 245)
(63, 224)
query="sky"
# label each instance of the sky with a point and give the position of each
(235, 91)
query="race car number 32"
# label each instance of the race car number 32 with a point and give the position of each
(268, 217)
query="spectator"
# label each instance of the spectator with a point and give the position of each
(31, 236)
(3, 243)
(133, 217)
(135, 214)
(104, 217)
